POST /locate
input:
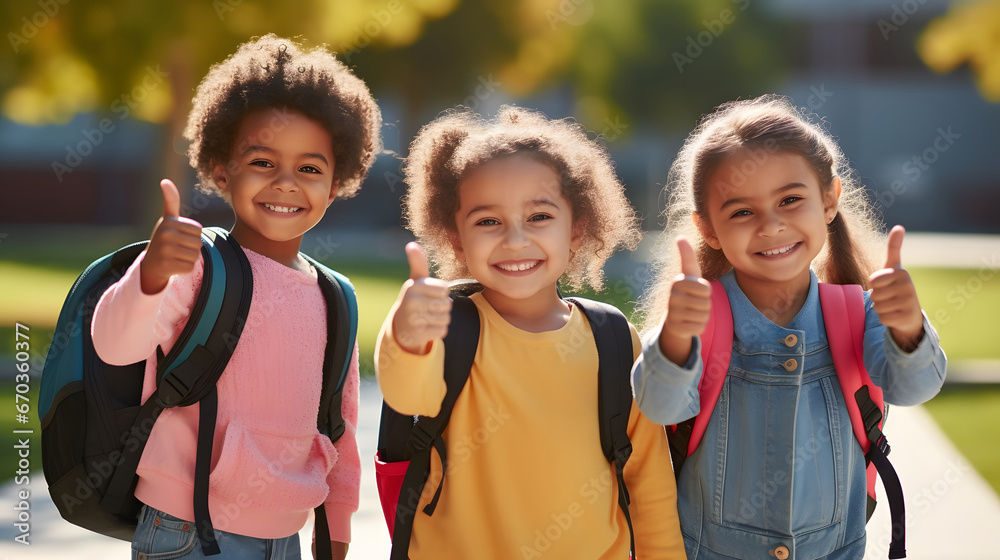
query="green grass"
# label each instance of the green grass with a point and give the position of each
(962, 307)
(970, 416)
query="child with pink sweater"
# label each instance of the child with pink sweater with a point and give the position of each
(279, 133)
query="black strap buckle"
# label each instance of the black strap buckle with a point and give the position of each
(420, 438)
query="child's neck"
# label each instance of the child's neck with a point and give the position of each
(283, 252)
(778, 301)
(542, 312)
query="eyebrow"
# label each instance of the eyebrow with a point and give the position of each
(536, 202)
(741, 200)
(318, 156)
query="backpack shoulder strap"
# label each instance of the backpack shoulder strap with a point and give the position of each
(460, 346)
(844, 319)
(613, 339)
(342, 332)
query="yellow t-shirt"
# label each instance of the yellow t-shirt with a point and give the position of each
(526, 475)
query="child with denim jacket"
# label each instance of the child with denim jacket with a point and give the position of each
(773, 207)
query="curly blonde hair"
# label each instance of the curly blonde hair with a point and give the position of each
(275, 72)
(774, 123)
(446, 150)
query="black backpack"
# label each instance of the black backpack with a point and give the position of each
(403, 438)
(93, 426)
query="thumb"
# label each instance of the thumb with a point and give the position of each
(689, 261)
(893, 259)
(418, 262)
(171, 199)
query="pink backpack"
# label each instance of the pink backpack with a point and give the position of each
(844, 317)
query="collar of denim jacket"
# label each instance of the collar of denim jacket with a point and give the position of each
(756, 332)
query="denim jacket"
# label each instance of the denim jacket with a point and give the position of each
(779, 465)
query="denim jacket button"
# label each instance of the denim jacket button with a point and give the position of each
(791, 340)
(781, 552)
(790, 364)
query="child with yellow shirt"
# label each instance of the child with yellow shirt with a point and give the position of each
(519, 203)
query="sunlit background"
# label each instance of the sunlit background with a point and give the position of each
(94, 96)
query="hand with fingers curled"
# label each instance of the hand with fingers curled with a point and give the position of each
(895, 297)
(174, 245)
(688, 309)
(422, 311)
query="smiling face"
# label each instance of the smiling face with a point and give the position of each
(515, 230)
(773, 224)
(279, 180)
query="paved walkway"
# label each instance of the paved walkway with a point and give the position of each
(952, 512)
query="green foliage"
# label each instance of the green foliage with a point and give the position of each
(663, 61)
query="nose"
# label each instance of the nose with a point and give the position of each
(515, 238)
(771, 224)
(285, 181)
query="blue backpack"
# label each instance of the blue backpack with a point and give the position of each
(94, 427)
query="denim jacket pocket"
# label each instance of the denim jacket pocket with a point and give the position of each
(779, 456)
(284, 473)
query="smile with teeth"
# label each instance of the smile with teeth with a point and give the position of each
(778, 251)
(518, 266)
(281, 209)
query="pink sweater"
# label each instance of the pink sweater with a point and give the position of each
(270, 465)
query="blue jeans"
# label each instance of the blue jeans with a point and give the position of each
(161, 536)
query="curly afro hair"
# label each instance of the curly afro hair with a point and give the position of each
(450, 147)
(274, 72)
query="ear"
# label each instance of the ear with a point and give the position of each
(831, 200)
(334, 189)
(576, 236)
(707, 231)
(456, 245)
(220, 177)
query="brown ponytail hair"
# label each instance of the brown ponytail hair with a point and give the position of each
(771, 123)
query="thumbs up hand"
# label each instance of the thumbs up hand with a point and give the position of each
(174, 245)
(895, 298)
(423, 309)
(689, 307)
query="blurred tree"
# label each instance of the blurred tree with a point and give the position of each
(969, 33)
(662, 59)
(124, 59)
